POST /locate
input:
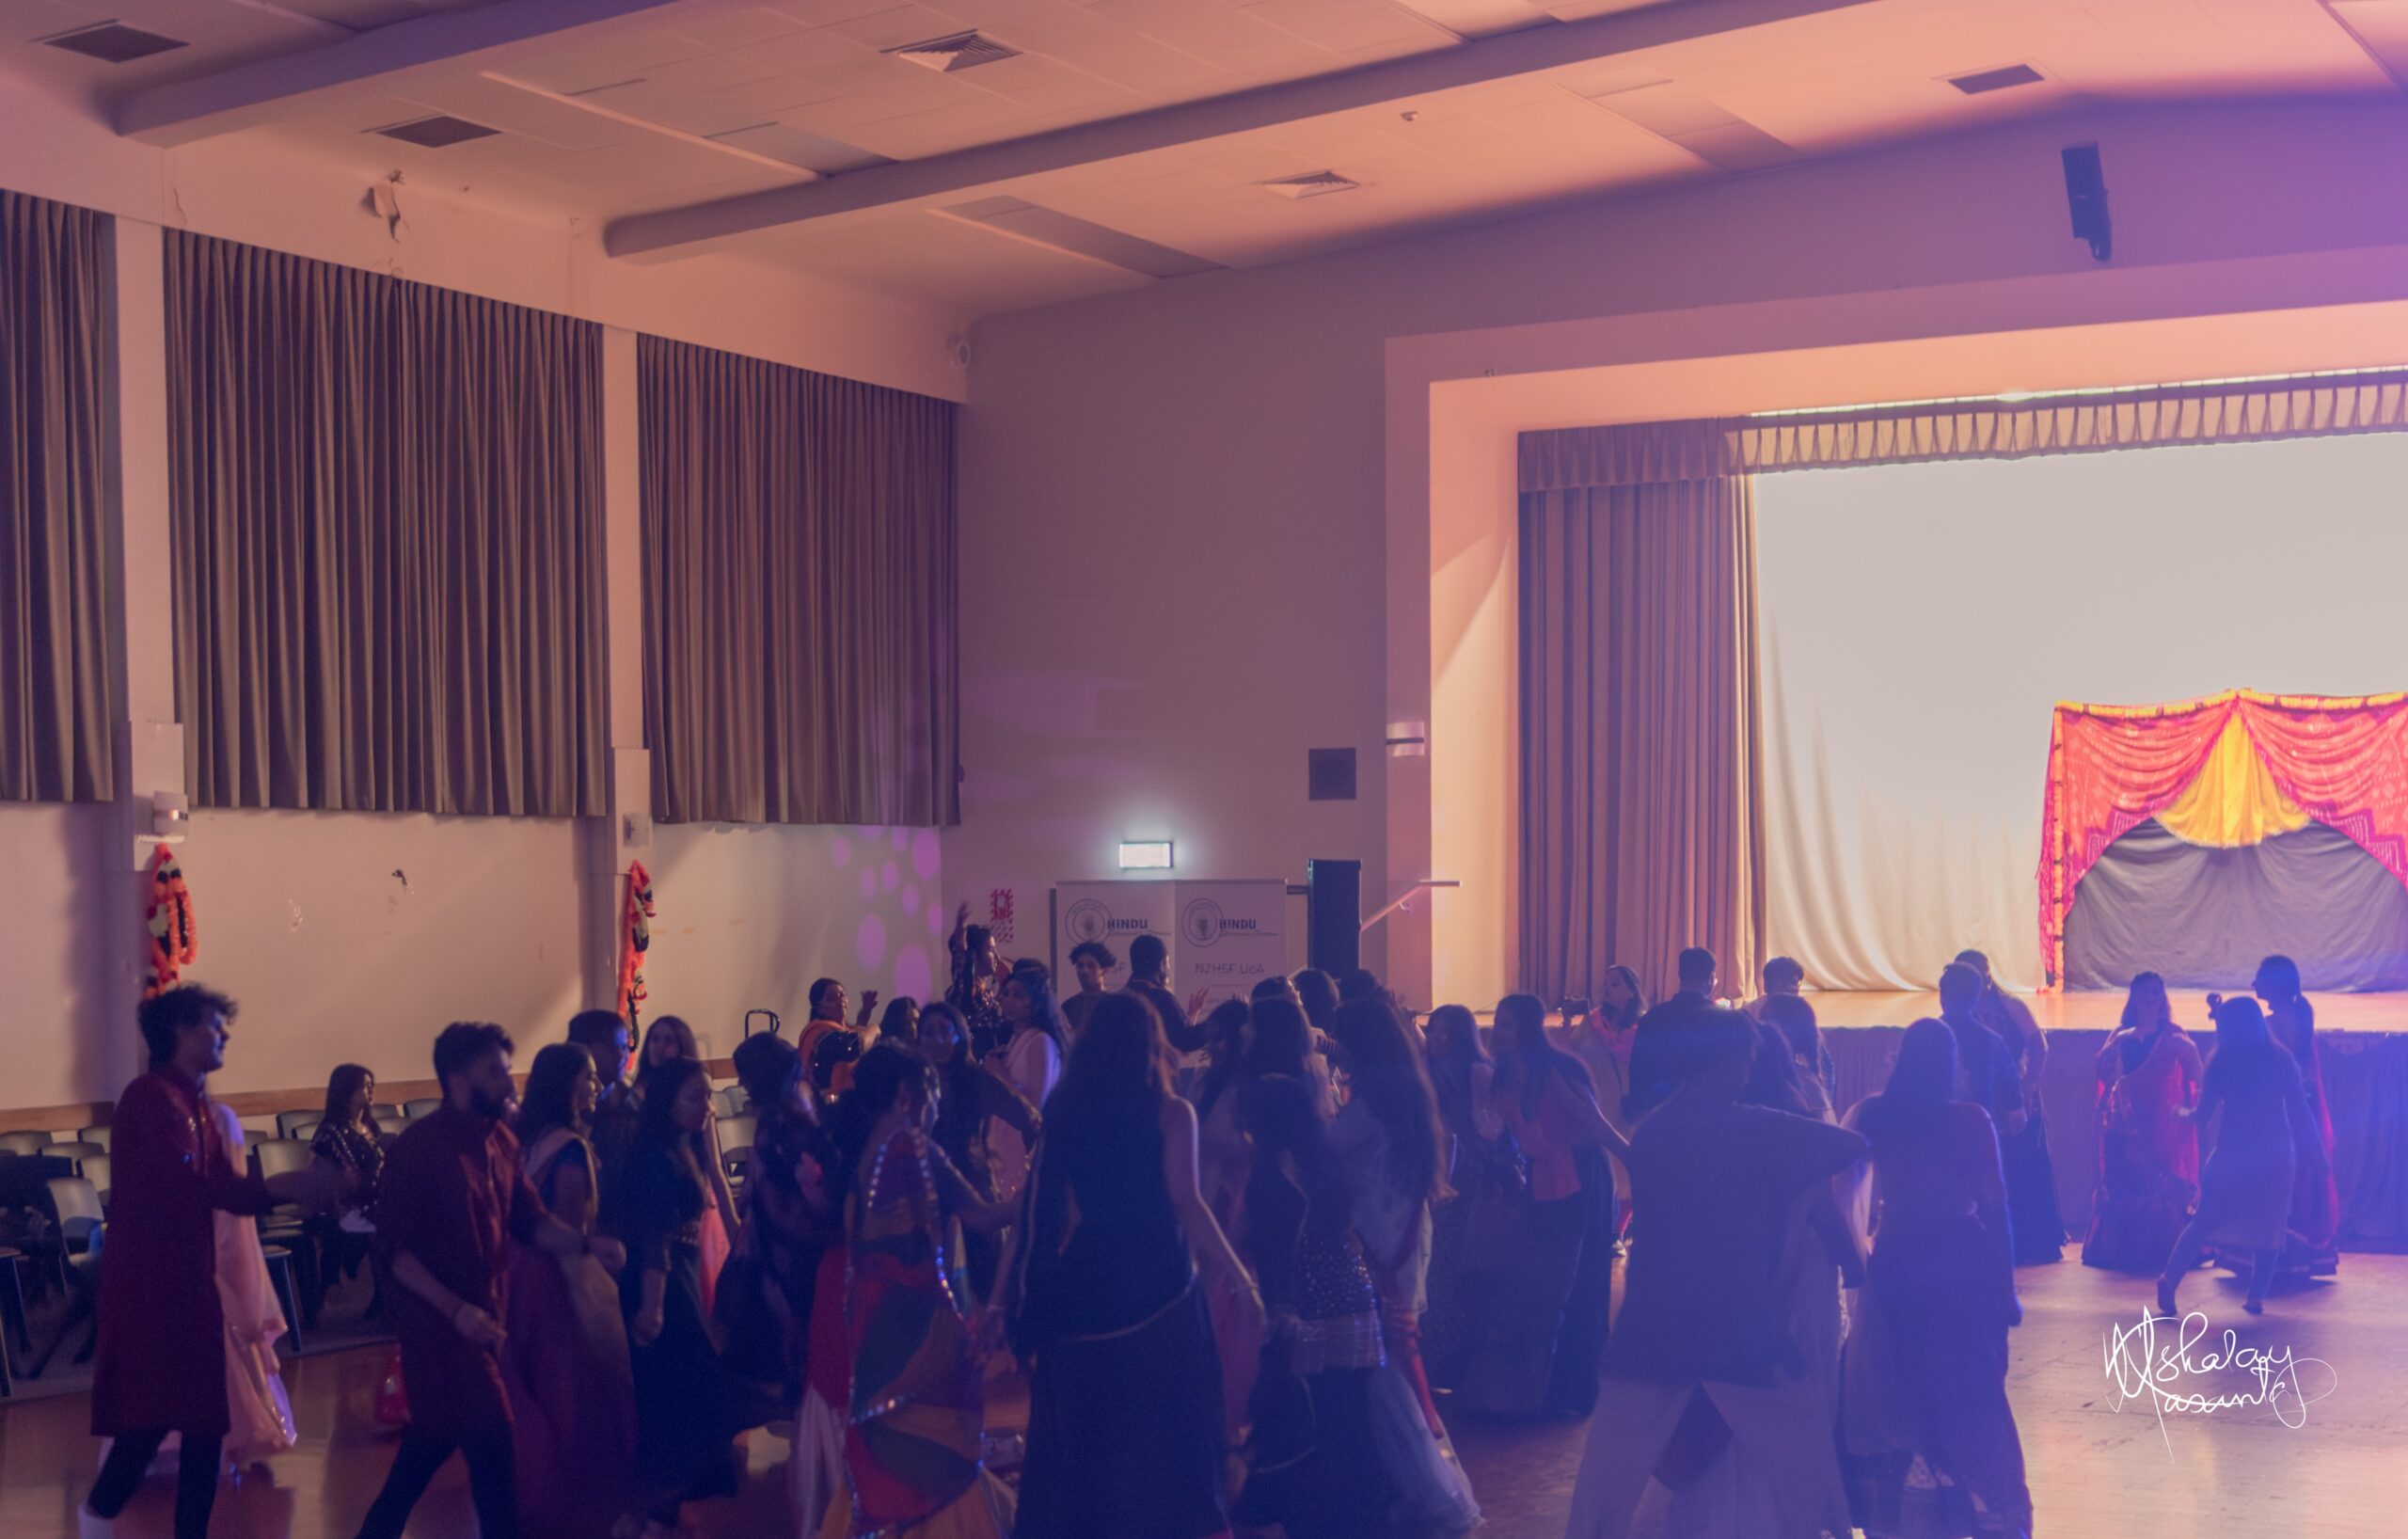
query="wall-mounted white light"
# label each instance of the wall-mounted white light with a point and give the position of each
(1145, 855)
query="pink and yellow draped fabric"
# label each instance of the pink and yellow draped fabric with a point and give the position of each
(2342, 761)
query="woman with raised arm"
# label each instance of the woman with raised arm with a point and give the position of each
(1125, 1432)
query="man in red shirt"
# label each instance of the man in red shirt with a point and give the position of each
(161, 1363)
(452, 1197)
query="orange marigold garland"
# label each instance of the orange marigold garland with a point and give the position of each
(634, 941)
(175, 943)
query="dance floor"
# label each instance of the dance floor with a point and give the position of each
(2097, 1472)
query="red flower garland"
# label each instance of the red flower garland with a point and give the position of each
(175, 940)
(635, 939)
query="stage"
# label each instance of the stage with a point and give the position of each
(2098, 1010)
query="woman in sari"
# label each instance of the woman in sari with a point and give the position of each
(2308, 1249)
(261, 1416)
(2149, 1151)
(564, 1358)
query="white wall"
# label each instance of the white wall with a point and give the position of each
(1216, 497)
(301, 917)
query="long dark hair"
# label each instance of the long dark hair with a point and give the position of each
(1636, 1006)
(1122, 1061)
(2247, 1053)
(341, 1086)
(656, 1124)
(960, 1101)
(1044, 1011)
(1773, 1073)
(1521, 1035)
(1283, 1117)
(1283, 1039)
(689, 1050)
(880, 1079)
(546, 1103)
(1317, 991)
(1922, 1082)
(1225, 1040)
(2130, 1019)
(1391, 1083)
(2278, 981)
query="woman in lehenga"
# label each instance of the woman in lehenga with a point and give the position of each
(2149, 1151)
(1031, 1062)
(1387, 1141)
(885, 1280)
(2265, 1144)
(970, 1101)
(917, 1418)
(1932, 1448)
(1315, 1462)
(1481, 1248)
(1544, 1096)
(2308, 1249)
(565, 1360)
(1125, 1432)
(667, 1039)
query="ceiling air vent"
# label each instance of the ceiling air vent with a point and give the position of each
(113, 43)
(1312, 185)
(436, 132)
(962, 51)
(1986, 81)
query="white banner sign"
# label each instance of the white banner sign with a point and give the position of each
(1224, 936)
(1232, 936)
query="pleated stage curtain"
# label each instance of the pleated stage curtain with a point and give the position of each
(56, 642)
(1642, 779)
(2153, 416)
(801, 650)
(388, 511)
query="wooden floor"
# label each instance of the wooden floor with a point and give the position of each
(2099, 1009)
(2095, 1472)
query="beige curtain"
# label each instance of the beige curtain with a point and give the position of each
(56, 638)
(800, 646)
(1642, 787)
(388, 505)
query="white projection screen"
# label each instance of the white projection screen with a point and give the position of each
(1919, 622)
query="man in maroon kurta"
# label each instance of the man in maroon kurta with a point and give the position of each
(161, 1363)
(451, 1199)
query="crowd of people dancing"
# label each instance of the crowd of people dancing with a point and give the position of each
(1250, 1265)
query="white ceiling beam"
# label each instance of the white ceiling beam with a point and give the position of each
(251, 94)
(687, 231)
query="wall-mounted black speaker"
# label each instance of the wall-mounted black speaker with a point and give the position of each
(2087, 199)
(1334, 922)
